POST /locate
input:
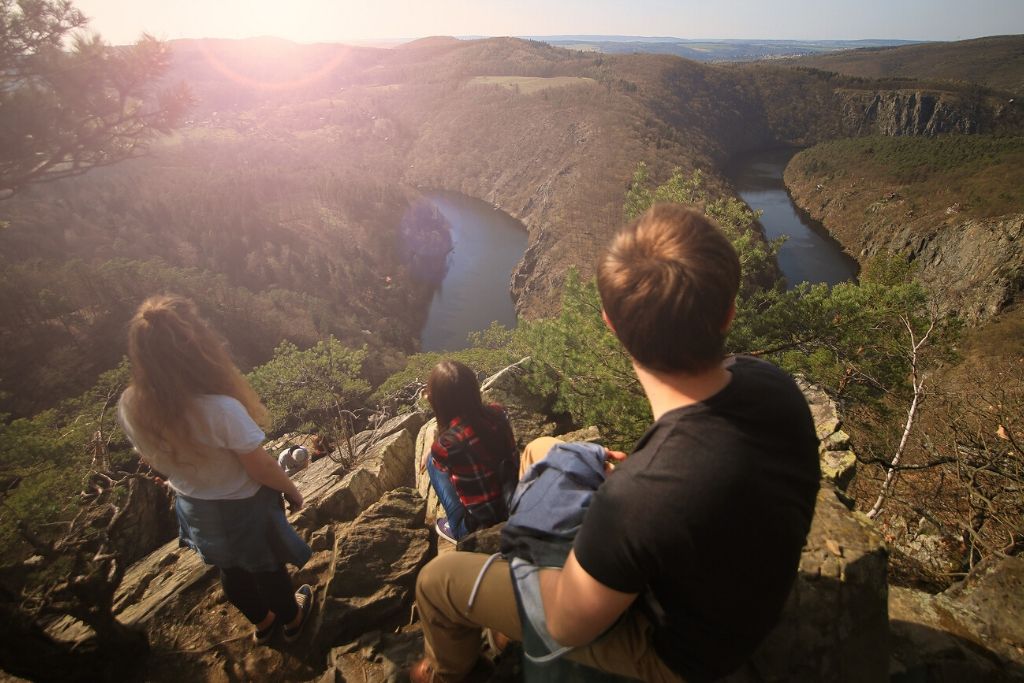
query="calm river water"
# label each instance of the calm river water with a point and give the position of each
(486, 245)
(809, 254)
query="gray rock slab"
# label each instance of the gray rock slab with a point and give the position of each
(529, 413)
(376, 561)
(834, 626)
(973, 631)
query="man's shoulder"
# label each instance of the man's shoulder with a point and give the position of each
(759, 368)
(759, 374)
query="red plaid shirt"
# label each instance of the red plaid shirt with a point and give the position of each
(473, 468)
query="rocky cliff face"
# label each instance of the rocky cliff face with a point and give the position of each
(974, 267)
(370, 537)
(921, 112)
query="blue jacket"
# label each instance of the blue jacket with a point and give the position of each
(546, 512)
(548, 505)
(249, 533)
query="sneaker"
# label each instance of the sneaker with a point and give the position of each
(262, 637)
(444, 530)
(304, 598)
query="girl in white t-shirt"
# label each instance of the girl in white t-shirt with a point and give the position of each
(194, 418)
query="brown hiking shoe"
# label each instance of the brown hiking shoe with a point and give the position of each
(423, 672)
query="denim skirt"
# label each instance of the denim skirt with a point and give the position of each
(248, 533)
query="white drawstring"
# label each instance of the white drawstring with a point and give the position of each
(480, 578)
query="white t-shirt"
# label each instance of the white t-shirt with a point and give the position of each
(223, 428)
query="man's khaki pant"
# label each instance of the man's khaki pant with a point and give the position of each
(451, 629)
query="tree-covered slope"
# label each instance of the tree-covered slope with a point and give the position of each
(995, 62)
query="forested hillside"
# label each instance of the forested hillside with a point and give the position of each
(996, 62)
(276, 240)
(287, 206)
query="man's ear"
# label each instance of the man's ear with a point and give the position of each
(604, 317)
(729, 316)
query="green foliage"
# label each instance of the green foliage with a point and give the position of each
(64, 112)
(489, 351)
(579, 359)
(50, 456)
(852, 339)
(311, 389)
(983, 175)
(757, 257)
(889, 270)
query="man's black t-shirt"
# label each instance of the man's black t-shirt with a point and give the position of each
(710, 513)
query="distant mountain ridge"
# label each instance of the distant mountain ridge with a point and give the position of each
(711, 49)
(995, 61)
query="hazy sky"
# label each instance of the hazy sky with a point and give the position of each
(121, 21)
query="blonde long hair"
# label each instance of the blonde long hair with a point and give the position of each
(175, 357)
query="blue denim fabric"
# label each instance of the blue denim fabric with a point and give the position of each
(458, 520)
(249, 533)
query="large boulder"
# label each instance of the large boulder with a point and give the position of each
(836, 457)
(424, 440)
(338, 492)
(530, 413)
(973, 631)
(175, 598)
(376, 560)
(408, 422)
(835, 624)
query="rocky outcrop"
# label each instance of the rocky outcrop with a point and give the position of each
(835, 625)
(973, 267)
(836, 457)
(174, 598)
(909, 112)
(370, 535)
(973, 631)
(374, 567)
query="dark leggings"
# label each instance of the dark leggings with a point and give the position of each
(253, 593)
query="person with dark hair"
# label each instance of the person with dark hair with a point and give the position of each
(473, 463)
(194, 418)
(658, 583)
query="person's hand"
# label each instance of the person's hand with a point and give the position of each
(611, 459)
(423, 461)
(294, 501)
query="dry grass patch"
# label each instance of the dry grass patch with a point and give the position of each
(528, 85)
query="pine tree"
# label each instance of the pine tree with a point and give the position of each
(68, 101)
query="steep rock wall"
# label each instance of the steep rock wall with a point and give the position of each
(974, 267)
(920, 112)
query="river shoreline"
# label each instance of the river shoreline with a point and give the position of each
(810, 253)
(487, 244)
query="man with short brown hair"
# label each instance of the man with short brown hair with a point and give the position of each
(705, 519)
